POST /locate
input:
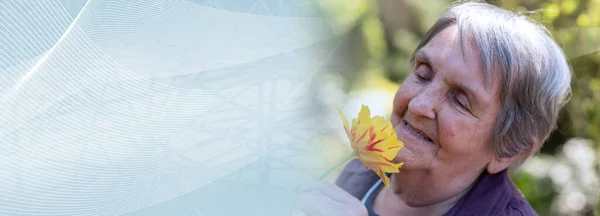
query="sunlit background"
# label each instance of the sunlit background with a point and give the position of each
(190, 107)
(377, 38)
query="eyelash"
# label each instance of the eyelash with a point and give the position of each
(421, 78)
(461, 105)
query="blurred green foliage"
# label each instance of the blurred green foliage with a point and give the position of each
(380, 35)
(537, 191)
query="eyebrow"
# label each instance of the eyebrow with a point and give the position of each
(469, 91)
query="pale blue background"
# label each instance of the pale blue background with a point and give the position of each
(161, 107)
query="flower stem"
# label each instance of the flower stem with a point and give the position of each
(338, 164)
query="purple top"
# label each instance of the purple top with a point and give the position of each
(493, 194)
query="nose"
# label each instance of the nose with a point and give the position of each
(423, 104)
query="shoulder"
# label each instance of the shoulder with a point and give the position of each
(493, 194)
(356, 179)
(518, 206)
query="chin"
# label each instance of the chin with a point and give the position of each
(410, 197)
(416, 203)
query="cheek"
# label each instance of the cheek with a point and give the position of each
(448, 129)
(405, 93)
(459, 136)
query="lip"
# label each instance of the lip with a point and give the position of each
(408, 132)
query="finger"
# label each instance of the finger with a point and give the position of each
(333, 191)
(325, 196)
(315, 203)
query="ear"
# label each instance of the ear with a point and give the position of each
(498, 164)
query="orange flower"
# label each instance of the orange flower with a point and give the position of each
(374, 142)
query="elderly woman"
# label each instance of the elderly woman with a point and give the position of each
(484, 92)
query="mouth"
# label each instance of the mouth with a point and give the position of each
(416, 133)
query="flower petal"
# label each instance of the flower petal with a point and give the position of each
(376, 161)
(385, 178)
(344, 121)
(361, 139)
(382, 126)
(364, 116)
(376, 142)
(390, 147)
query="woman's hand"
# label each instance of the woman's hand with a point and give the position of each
(326, 199)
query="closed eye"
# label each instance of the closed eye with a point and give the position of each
(423, 72)
(460, 100)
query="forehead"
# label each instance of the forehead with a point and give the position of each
(457, 62)
(446, 46)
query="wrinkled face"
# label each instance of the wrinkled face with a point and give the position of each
(445, 115)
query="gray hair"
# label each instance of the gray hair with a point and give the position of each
(534, 71)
